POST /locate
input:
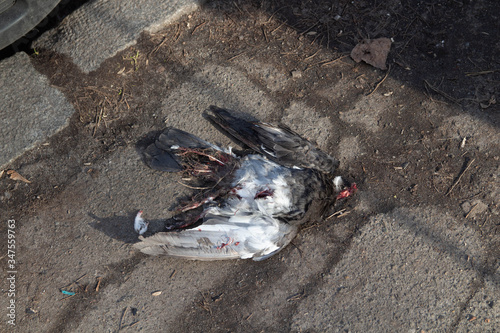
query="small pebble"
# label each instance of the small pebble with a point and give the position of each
(296, 74)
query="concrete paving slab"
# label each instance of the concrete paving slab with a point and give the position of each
(101, 28)
(31, 110)
(214, 85)
(408, 271)
(482, 313)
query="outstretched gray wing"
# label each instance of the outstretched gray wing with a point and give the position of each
(277, 142)
(222, 237)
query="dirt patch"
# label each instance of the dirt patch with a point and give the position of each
(426, 136)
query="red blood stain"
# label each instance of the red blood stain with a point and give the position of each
(263, 194)
(347, 192)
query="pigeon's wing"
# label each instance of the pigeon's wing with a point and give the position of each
(278, 143)
(290, 149)
(223, 237)
(160, 155)
(239, 130)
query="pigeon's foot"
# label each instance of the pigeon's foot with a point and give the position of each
(140, 225)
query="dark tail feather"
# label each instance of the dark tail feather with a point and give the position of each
(161, 160)
(160, 156)
(176, 137)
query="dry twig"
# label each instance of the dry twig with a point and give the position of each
(470, 211)
(197, 27)
(236, 56)
(378, 84)
(121, 318)
(442, 93)
(312, 55)
(264, 33)
(460, 177)
(481, 72)
(338, 214)
(99, 279)
(333, 61)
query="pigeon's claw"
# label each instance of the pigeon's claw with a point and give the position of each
(140, 225)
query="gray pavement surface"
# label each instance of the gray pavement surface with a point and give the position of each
(31, 110)
(101, 28)
(412, 268)
(413, 262)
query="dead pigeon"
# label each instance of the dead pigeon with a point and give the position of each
(252, 203)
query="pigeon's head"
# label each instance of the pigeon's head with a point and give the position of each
(325, 163)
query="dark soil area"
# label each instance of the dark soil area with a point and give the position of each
(445, 47)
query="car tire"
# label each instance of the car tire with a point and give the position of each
(18, 17)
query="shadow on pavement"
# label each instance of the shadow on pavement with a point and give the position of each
(448, 49)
